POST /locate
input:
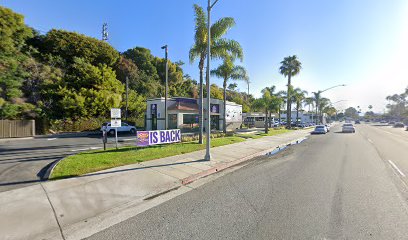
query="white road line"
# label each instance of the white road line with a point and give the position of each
(371, 141)
(50, 139)
(128, 139)
(396, 168)
(84, 149)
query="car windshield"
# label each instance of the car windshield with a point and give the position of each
(347, 125)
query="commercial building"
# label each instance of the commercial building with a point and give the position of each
(183, 114)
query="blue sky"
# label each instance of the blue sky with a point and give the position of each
(360, 43)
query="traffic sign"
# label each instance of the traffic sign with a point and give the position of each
(115, 113)
(115, 123)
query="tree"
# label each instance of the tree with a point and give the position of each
(13, 36)
(290, 66)
(351, 113)
(232, 86)
(220, 46)
(299, 96)
(268, 103)
(69, 45)
(228, 71)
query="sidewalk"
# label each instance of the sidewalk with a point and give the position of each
(42, 211)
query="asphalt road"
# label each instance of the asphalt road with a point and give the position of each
(334, 186)
(24, 162)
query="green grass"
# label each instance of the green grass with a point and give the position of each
(97, 160)
(93, 161)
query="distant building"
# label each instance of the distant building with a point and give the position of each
(257, 119)
(303, 117)
(183, 114)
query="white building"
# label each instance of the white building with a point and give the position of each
(303, 117)
(183, 114)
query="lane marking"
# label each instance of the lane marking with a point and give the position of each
(396, 168)
(50, 139)
(371, 141)
(84, 149)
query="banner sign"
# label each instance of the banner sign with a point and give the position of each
(148, 138)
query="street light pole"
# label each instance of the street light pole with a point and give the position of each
(166, 89)
(208, 113)
(318, 98)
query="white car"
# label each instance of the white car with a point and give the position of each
(124, 128)
(348, 127)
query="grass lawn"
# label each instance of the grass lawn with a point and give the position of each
(97, 160)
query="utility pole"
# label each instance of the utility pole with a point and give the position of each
(105, 32)
(127, 96)
(166, 88)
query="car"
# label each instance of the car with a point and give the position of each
(391, 123)
(124, 128)
(320, 129)
(328, 127)
(348, 127)
(399, 125)
(383, 121)
(357, 121)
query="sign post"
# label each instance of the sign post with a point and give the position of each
(116, 122)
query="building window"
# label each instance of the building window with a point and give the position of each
(172, 121)
(190, 121)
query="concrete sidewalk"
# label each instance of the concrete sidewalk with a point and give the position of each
(52, 209)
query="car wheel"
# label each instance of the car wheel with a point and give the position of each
(132, 131)
(112, 132)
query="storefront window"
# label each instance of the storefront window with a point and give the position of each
(190, 122)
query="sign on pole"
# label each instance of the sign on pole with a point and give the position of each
(116, 123)
(115, 113)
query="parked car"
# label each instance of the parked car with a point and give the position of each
(320, 129)
(124, 128)
(328, 127)
(399, 125)
(358, 121)
(348, 127)
(383, 121)
(391, 123)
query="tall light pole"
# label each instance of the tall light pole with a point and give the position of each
(166, 88)
(208, 113)
(318, 98)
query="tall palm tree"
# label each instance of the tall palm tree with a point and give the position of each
(323, 103)
(282, 96)
(220, 47)
(309, 101)
(290, 66)
(299, 96)
(227, 70)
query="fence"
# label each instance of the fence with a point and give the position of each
(17, 128)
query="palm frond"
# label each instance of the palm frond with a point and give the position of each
(221, 27)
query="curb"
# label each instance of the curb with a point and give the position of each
(223, 166)
(51, 168)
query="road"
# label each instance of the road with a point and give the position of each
(334, 186)
(24, 162)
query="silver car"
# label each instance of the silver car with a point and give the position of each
(348, 128)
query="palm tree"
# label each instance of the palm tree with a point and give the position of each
(323, 103)
(309, 101)
(290, 66)
(228, 71)
(220, 47)
(299, 96)
(282, 96)
(267, 103)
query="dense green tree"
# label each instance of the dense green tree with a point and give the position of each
(351, 113)
(290, 66)
(71, 45)
(13, 34)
